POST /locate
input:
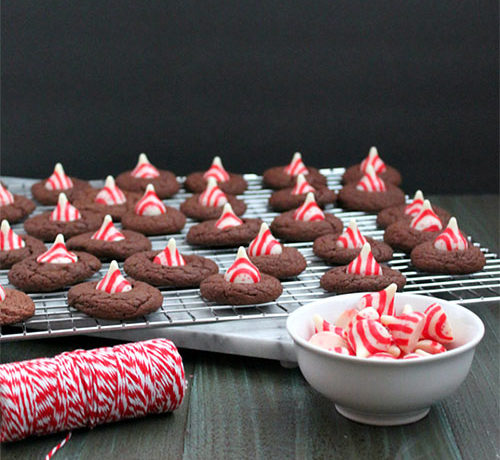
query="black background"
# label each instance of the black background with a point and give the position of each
(93, 83)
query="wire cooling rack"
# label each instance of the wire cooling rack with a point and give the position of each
(183, 307)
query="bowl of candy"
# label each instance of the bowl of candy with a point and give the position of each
(384, 358)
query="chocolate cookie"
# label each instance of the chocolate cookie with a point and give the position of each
(172, 221)
(31, 276)
(165, 184)
(401, 236)
(354, 174)
(326, 248)
(141, 266)
(192, 208)
(48, 197)
(18, 210)
(338, 281)
(427, 258)
(276, 178)
(34, 247)
(358, 200)
(40, 226)
(215, 288)
(85, 201)
(16, 307)
(288, 264)
(283, 200)
(207, 234)
(141, 300)
(118, 250)
(390, 215)
(196, 183)
(286, 227)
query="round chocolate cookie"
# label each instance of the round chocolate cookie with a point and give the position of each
(338, 281)
(141, 266)
(48, 197)
(165, 184)
(141, 300)
(354, 174)
(283, 200)
(326, 248)
(401, 236)
(17, 306)
(40, 226)
(358, 200)
(34, 247)
(192, 208)
(118, 250)
(31, 276)
(172, 221)
(286, 227)
(196, 183)
(390, 215)
(18, 210)
(429, 259)
(215, 288)
(276, 178)
(207, 234)
(288, 264)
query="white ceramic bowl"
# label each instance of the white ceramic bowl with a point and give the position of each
(383, 392)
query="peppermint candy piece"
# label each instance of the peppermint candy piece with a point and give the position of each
(113, 282)
(430, 346)
(309, 211)
(382, 355)
(321, 324)
(302, 186)
(242, 270)
(64, 211)
(373, 159)
(2, 294)
(108, 232)
(58, 180)
(426, 220)
(212, 196)
(150, 204)
(351, 238)
(9, 240)
(57, 254)
(264, 243)
(296, 166)
(345, 318)
(370, 182)
(382, 301)
(414, 208)
(144, 169)
(110, 194)
(405, 329)
(217, 171)
(228, 218)
(170, 256)
(436, 325)
(364, 263)
(6, 197)
(367, 313)
(367, 337)
(451, 239)
(327, 340)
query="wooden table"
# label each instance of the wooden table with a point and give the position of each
(240, 407)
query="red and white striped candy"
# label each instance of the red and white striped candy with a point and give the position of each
(6, 197)
(150, 204)
(296, 166)
(416, 354)
(170, 256)
(108, 232)
(2, 294)
(367, 313)
(58, 180)
(426, 220)
(351, 238)
(327, 340)
(64, 211)
(212, 196)
(57, 254)
(364, 263)
(405, 329)
(309, 211)
(217, 171)
(228, 218)
(242, 270)
(382, 301)
(114, 282)
(264, 243)
(374, 161)
(302, 186)
(367, 337)
(110, 194)
(414, 208)
(144, 169)
(9, 240)
(436, 325)
(345, 318)
(451, 239)
(321, 324)
(370, 182)
(382, 355)
(430, 346)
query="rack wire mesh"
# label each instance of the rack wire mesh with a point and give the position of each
(184, 307)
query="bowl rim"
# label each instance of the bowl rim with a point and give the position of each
(299, 341)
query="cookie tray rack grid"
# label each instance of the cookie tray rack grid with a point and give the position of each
(184, 307)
